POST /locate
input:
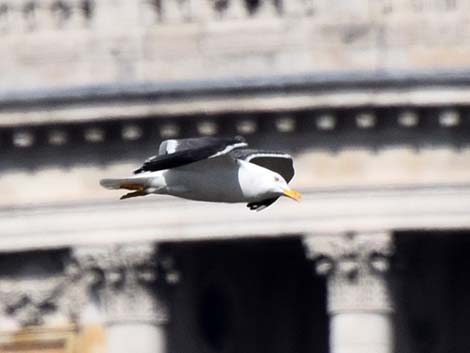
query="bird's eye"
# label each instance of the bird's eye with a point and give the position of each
(276, 178)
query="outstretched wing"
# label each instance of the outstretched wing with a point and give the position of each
(177, 153)
(278, 162)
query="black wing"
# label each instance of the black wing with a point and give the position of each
(261, 205)
(278, 162)
(176, 153)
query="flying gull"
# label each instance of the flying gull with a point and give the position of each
(212, 169)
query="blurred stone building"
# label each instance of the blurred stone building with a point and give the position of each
(371, 97)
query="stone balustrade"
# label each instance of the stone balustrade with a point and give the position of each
(32, 16)
(162, 11)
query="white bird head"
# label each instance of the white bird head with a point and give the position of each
(261, 183)
(280, 188)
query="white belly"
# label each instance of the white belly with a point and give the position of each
(206, 181)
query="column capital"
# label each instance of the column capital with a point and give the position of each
(31, 301)
(128, 280)
(356, 266)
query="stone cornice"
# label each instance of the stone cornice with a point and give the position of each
(235, 85)
(394, 88)
(164, 219)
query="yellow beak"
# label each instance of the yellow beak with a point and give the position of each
(294, 195)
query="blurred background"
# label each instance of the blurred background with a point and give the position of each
(370, 97)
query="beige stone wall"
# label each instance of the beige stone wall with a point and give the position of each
(90, 42)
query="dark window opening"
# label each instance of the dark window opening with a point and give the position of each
(215, 317)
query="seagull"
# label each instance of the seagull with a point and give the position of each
(213, 169)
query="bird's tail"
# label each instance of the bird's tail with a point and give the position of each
(122, 183)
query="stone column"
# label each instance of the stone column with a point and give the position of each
(131, 294)
(359, 301)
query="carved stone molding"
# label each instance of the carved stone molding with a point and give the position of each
(228, 9)
(127, 280)
(356, 266)
(28, 301)
(239, 9)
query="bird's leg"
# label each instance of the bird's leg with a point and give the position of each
(133, 194)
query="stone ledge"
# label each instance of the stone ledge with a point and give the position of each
(170, 220)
